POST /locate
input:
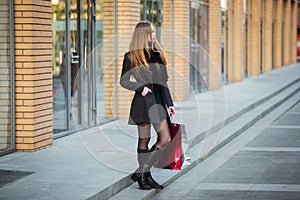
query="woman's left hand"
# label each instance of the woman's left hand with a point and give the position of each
(171, 111)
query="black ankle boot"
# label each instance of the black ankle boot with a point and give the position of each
(149, 161)
(152, 182)
(141, 178)
(139, 174)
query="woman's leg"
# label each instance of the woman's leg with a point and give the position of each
(163, 133)
(144, 135)
(163, 139)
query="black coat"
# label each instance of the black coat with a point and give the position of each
(152, 107)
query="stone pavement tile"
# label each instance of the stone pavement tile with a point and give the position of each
(248, 187)
(9, 176)
(289, 119)
(277, 137)
(284, 169)
(216, 195)
(276, 187)
(296, 108)
(225, 186)
(271, 195)
(243, 167)
(238, 195)
(172, 194)
(238, 179)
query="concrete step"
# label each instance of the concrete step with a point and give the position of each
(210, 141)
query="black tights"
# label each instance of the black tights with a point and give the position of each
(163, 134)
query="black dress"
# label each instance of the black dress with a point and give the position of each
(152, 107)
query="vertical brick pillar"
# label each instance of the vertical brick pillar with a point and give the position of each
(294, 31)
(33, 74)
(263, 34)
(255, 45)
(238, 40)
(278, 4)
(128, 15)
(267, 46)
(108, 57)
(287, 33)
(249, 39)
(215, 76)
(230, 47)
(235, 41)
(181, 46)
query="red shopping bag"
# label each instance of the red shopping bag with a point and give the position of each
(171, 157)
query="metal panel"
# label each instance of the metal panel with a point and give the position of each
(12, 75)
(68, 65)
(116, 60)
(173, 48)
(12, 82)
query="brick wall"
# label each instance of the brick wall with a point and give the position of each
(181, 33)
(229, 47)
(215, 76)
(278, 4)
(33, 74)
(128, 15)
(287, 33)
(249, 39)
(262, 50)
(268, 36)
(236, 51)
(238, 40)
(108, 55)
(294, 31)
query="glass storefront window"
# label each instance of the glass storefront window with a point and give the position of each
(6, 78)
(78, 65)
(151, 10)
(224, 8)
(100, 65)
(59, 66)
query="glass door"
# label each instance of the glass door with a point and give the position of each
(204, 42)
(224, 43)
(195, 47)
(103, 109)
(90, 104)
(66, 64)
(78, 84)
(82, 63)
(152, 11)
(59, 69)
(199, 46)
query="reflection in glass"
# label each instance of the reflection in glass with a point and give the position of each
(100, 65)
(59, 68)
(151, 10)
(5, 87)
(88, 103)
(86, 40)
(204, 42)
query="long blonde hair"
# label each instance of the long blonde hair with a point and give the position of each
(139, 45)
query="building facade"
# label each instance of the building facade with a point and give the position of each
(61, 59)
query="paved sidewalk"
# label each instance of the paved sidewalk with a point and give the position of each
(96, 163)
(265, 168)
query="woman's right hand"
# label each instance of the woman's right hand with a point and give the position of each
(145, 91)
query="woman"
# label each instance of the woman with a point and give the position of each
(146, 64)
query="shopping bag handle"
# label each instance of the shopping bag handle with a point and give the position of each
(172, 119)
